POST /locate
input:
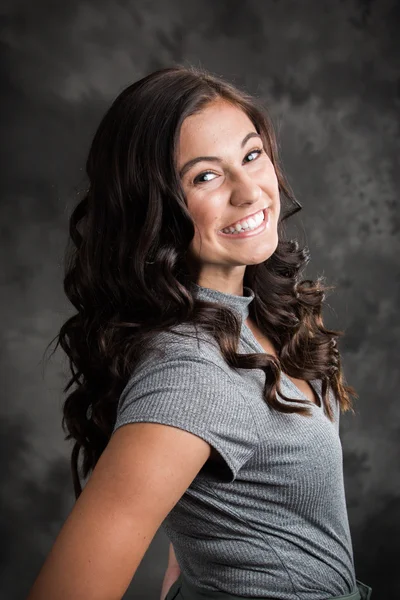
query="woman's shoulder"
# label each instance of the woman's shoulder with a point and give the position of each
(184, 342)
(180, 358)
(185, 338)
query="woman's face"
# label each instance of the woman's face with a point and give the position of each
(220, 192)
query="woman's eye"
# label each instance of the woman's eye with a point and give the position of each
(196, 180)
(259, 151)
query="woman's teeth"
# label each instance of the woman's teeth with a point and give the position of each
(248, 225)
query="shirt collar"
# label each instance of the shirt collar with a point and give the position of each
(238, 303)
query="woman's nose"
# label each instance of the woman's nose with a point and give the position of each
(244, 189)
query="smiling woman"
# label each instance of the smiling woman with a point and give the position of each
(194, 353)
(243, 185)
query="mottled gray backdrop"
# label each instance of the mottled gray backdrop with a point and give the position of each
(329, 72)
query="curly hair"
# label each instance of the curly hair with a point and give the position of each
(127, 266)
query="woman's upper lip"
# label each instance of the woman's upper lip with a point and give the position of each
(244, 218)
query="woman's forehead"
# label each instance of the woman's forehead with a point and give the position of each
(215, 126)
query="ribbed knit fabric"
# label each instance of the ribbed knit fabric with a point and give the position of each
(272, 521)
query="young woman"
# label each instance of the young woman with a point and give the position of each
(207, 388)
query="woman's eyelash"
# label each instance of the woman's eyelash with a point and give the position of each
(255, 151)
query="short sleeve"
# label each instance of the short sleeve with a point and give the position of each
(194, 394)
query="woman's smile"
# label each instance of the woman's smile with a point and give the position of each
(246, 233)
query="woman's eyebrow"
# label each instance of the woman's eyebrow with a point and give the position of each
(190, 163)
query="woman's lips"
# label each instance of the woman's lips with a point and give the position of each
(244, 219)
(251, 233)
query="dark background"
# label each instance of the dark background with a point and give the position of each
(329, 71)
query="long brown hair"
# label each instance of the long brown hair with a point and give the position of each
(127, 273)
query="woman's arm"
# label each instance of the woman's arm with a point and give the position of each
(171, 574)
(172, 562)
(141, 475)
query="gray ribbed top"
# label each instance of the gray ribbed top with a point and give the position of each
(272, 520)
